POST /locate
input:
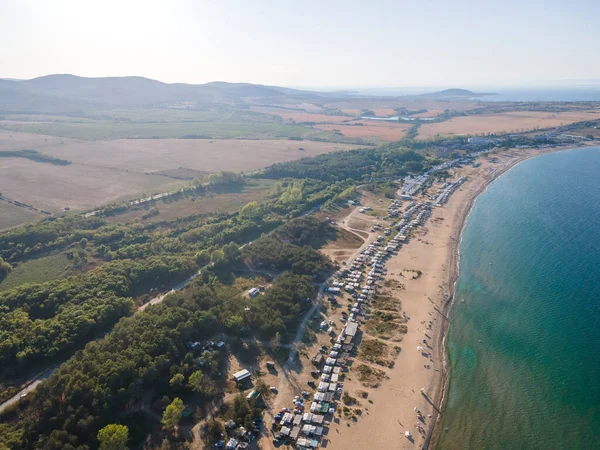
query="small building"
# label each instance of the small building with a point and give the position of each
(350, 329)
(318, 359)
(270, 365)
(287, 419)
(187, 411)
(253, 394)
(253, 292)
(241, 375)
(295, 432)
(307, 443)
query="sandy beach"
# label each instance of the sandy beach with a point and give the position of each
(388, 410)
(417, 293)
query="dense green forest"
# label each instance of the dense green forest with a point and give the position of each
(146, 352)
(41, 322)
(360, 165)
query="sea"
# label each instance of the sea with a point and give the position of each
(524, 334)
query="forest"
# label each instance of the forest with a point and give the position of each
(146, 351)
(147, 354)
(359, 165)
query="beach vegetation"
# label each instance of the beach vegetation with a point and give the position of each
(370, 376)
(374, 351)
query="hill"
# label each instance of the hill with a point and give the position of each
(453, 94)
(66, 93)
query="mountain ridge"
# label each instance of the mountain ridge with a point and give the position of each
(58, 93)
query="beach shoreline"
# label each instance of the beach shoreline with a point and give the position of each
(441, 383)
(407, 388)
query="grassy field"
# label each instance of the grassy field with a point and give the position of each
(38, 271)
(11, 215)
(213, 204)
(98, 130)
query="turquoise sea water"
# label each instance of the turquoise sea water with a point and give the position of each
(524, 347)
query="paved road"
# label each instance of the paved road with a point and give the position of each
(30, 387)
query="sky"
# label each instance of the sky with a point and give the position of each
(306, 43)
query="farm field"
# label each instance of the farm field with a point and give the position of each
(509, 122)
(374, 131)
(53, 188)
(300, 117)
(11, 215)
(38, 270)
(105, 171)
(15, 140)
(150, 155)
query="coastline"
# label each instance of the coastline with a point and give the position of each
(412, 371)
(440, 384)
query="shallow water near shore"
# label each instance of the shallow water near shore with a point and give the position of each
(524, 346)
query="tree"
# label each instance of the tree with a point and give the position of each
(251, 209)
(172, 415)
(217, 257)
(177, 381)
(202, 257)
(113, 437)
(5, 268)
(196, 382)
(231, 251)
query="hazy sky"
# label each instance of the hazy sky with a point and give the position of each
(305, 43)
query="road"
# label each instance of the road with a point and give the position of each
(30, 387)
(33, 382)
(285, 387)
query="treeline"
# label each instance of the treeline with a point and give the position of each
(108, 241)
(36, 156)
(49, 234)
(359, 164)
